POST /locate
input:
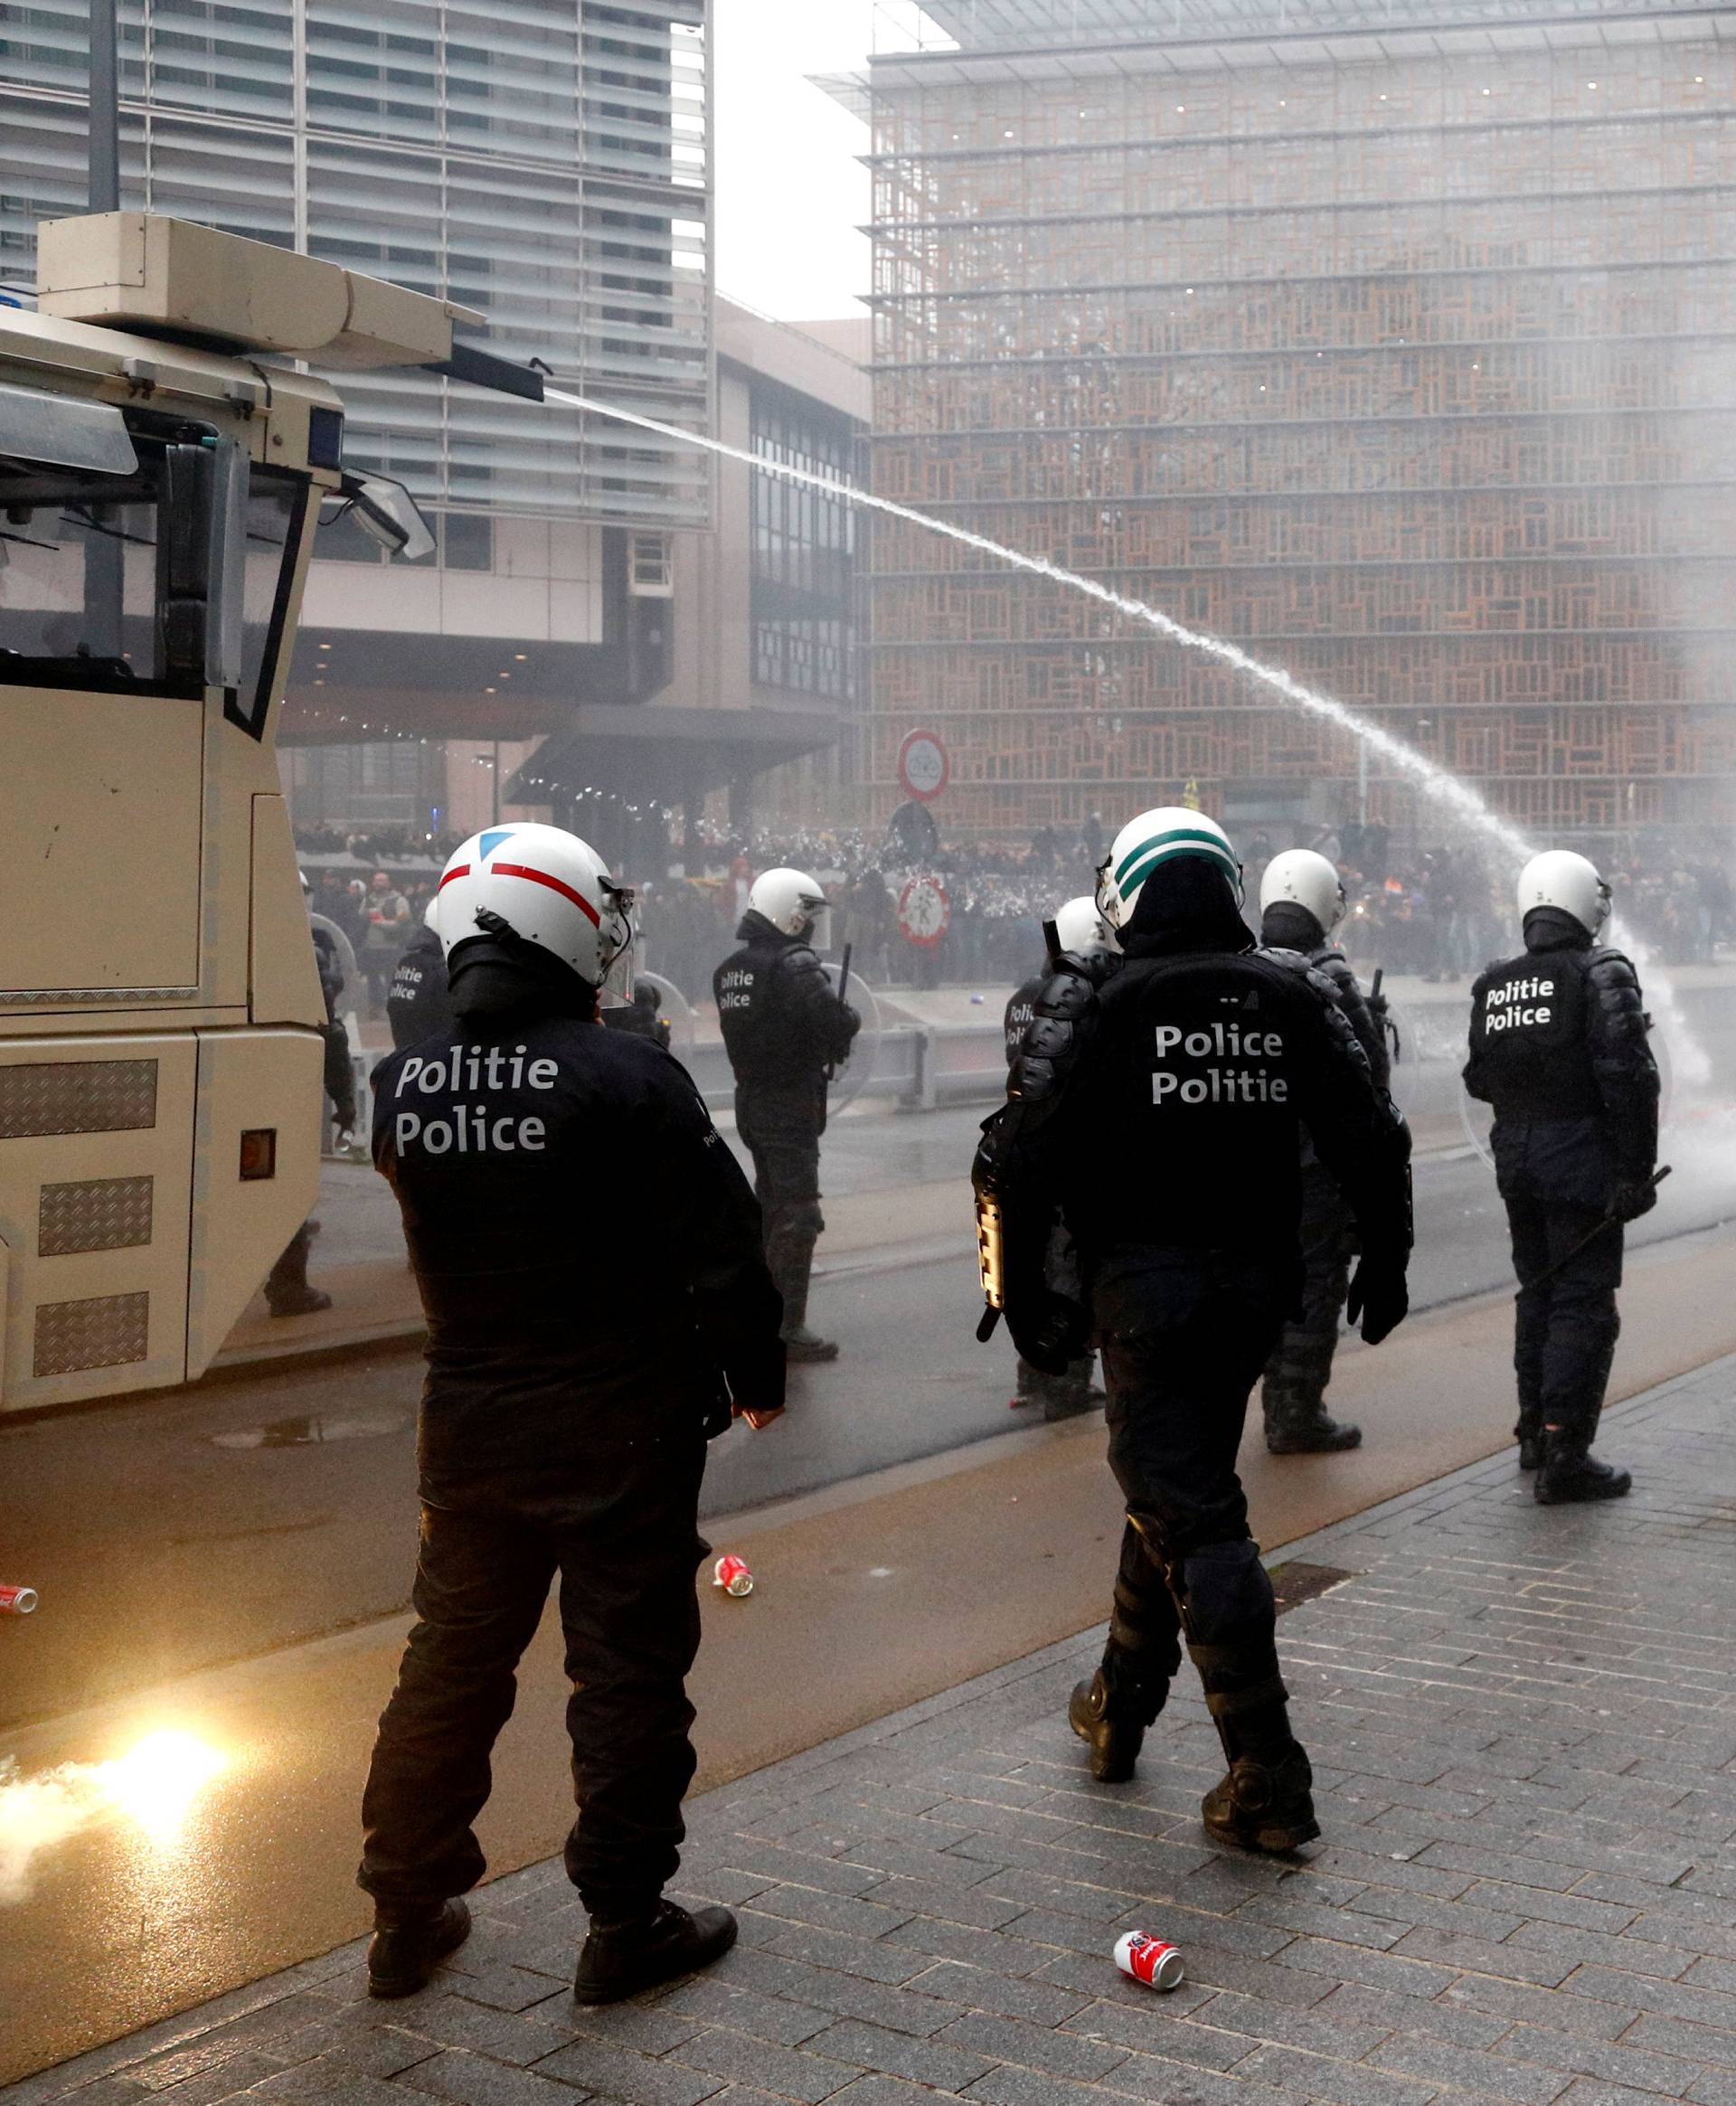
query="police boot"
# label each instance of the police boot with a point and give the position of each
(1296, 1420)
(1571, 1474)
(1529, 1432)
(801, 1344)
(1265, 1800)
(286, 1289)
(406, 1947)
(1111, 1712)
(619, 1959)
(1112, 1733)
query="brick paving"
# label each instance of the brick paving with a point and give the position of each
(1523, 1725)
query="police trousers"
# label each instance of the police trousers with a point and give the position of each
(781, 1127)
(1184, 1335)
(624, 1546)
(1565, 1327)
(1300, 1366)
(1555, 1176)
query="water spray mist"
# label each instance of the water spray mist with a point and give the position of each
(1690, 1061)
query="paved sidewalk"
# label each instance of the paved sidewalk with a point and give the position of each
(1523, 1721)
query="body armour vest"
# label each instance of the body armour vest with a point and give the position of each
(1528, 1020)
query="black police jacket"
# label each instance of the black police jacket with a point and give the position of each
(1336, 970)
(1559, 1039)
(1329, 974)
(782, 1022)
(1293, 932)
(1175, 1119)
(417, 1003)
(588, 1250)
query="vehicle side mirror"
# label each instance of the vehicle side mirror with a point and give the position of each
(386, 511)
(202, 561)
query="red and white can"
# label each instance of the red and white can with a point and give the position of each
(17, 1600)
(730, 1573)
(1148, 1960)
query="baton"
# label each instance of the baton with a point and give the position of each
(1610, 1221)
(843, 984)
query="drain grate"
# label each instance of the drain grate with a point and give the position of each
(1298, 1581)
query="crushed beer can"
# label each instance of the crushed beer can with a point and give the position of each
(730, 1573)
(1148, 1960)
(17, 1600)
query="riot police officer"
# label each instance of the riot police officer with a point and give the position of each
(641, 1017)
(1084, 946)
(1559, 1048)
(589, 1262)
(1302, 901)
(1160, 1116)
(784, 1025)
(417, 1004)
(289, 1292)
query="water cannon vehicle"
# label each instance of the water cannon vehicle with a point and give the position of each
(164, 460)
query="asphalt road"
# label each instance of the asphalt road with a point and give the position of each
(222, 1522)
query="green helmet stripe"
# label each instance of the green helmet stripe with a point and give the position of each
(1138, 865)
(1177, 840)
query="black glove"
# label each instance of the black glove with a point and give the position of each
(1632, 1197)
(1378, 1298)
(1050, 1331)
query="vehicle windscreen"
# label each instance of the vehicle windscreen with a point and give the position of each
(86, 588)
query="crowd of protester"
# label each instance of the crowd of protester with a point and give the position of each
(1437, 912)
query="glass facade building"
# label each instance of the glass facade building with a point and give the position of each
(545, 161)
(803, 549)
(1394, 343)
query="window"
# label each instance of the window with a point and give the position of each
(804, 548)
(467, 541)
(92, 598)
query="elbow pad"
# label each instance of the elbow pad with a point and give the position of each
(1061, 1020)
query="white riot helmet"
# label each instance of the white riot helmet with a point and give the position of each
(790, 900)
(1080, 929)
(1302, 877)
(1559, 878)
(547, 885)
(431, 912)
(1146, 844)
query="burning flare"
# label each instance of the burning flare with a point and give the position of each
(154, 1785)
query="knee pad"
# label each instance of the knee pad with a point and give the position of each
(1228, 1589)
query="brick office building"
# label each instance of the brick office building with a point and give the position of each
(1397, 344)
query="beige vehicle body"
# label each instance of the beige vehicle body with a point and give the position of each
(160, 1104)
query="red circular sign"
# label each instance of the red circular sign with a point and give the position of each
(924, 911)
(924, 765)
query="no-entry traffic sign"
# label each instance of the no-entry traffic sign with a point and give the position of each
(924, 910)
(924, 764)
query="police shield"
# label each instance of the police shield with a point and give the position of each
(673, 1007)
(852, 1076)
